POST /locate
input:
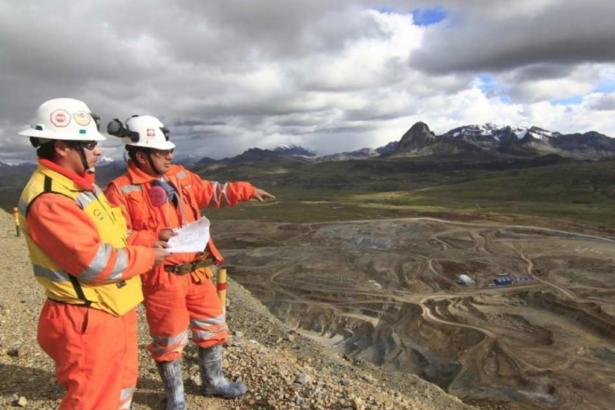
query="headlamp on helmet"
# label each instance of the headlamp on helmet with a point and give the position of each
(117, 129)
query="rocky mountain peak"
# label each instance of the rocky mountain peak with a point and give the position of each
(418, 136)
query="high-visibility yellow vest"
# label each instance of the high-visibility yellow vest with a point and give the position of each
(115, 298)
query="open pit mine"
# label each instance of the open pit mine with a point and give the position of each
(512, 315)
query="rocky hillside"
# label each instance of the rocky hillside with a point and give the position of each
(420, 141)
(282, 369)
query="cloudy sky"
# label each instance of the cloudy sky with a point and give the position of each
(330, 75)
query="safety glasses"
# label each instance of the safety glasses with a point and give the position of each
(89, 145)
(159, 153)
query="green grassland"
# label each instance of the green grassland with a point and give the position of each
(572, 192)
(565, 192)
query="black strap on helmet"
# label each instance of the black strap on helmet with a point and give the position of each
(166, 132)
(149, 153)
(78, 146)
(117, 129)
(96, 119)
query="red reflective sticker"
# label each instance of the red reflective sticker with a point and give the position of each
(60, 118)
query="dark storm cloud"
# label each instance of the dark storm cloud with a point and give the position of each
(561, 33)
(542, 72)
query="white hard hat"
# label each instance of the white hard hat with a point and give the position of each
(142, 131)
(65, 119)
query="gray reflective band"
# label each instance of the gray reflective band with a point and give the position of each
(215, 185)
(203, 335)
(208, 322)
(127, 393)
(97, 190)
(126, 397)
(181, 175)
(224, 201)
(54, 276)
(22, 207)
(97, 265)
(165, 341)
(84, 199)
(130, 188)
(128, 232)
(188, 186)
(121, 264)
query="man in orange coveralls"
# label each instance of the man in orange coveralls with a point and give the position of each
(158, 197)
(77, 244)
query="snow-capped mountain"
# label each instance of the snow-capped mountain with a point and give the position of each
(490, 135)
(295, 150)
(105, 160)
(532, 141)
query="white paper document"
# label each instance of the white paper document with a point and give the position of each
(190, 238)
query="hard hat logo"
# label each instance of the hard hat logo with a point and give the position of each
(60, 118)
(142, 131)
(82, 118)
(64, 119)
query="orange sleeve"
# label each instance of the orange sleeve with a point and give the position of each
(215, 195)
(68, 236)
(138, 238)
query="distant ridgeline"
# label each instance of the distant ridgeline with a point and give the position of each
(490, 141)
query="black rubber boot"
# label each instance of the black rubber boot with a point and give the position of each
(171, 375)
(214, 383)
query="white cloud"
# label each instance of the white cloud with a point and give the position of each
(333, 75)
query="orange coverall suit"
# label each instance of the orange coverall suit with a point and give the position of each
(94, 349)
(175, 302)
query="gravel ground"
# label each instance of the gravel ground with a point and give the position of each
(282, 369)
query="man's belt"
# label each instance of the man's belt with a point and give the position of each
(189, 267)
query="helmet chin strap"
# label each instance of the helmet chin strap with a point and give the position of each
(84, 161)
(151, 164)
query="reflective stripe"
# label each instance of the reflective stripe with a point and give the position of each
(164, 341)
(181, 175)
(54, 276)
(130, 188)
(164, 345)
(97, 190)
(126, 406)
(188, 186)
(128, 232)
(126, 398)
(121, 264)
(97, 265)
(208, 322)
(127, 393)
(84, 199)
(224, 201)
(203, 335)
(22, 207)
(216, 185)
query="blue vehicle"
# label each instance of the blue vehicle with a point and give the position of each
(503, 282)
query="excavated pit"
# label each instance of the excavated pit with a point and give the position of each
(388, 292)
